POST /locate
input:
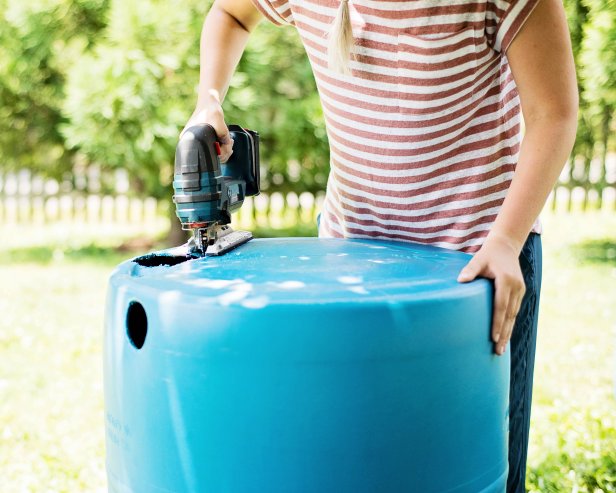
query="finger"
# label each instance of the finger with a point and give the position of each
(226, 150)
(502, 297)
(507, 330)
(501, 345)
(225, 140)
(510, 320)
(470, 270)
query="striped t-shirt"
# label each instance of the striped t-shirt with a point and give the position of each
(424, 134)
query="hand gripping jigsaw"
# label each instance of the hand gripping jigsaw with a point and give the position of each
(207, 192)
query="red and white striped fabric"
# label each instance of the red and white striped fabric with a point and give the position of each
(424, 135)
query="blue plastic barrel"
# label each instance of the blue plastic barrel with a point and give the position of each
(303, 366)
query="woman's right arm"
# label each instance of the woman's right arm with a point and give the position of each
(223, 39)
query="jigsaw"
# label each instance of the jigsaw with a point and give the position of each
(207, 192)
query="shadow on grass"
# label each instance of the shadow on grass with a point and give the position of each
(601, 251)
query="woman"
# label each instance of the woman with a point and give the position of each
(422, 103)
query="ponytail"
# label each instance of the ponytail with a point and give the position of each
(340, 40)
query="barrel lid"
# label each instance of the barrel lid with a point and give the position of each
(308, 270)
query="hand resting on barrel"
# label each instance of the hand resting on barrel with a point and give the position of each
(498, 259)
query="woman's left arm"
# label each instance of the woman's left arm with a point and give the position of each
(541, 61)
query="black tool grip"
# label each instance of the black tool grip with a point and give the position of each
(195, 154)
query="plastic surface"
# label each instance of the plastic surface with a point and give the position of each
(304, 365)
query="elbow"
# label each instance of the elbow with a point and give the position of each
(568, 111)
(563, 113)
(237, 14)
(566, 117)
(554, 124)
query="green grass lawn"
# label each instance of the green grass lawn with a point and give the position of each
(573, 424)
(52, 289)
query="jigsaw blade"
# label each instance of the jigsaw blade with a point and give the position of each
(216, 240)
(228, 242)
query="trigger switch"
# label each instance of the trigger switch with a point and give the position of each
(217, 146)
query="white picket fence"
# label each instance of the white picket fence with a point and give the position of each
(27, 199)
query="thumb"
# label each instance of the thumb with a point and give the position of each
(470, 271)
(222, 133)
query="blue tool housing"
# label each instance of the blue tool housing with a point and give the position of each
(206, 191)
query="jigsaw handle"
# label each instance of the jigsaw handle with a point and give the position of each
(195, 156)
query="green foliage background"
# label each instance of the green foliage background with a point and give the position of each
(593, 33)
(113, 82)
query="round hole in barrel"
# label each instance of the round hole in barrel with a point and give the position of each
(136, 324)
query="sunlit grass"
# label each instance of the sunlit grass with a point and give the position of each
(52, 289)
(573, 423)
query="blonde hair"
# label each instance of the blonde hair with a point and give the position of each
(340, 40)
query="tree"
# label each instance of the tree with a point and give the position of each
(40, 40)
(592, 27)
(598, 57)
(577, 15)
(128, 98)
